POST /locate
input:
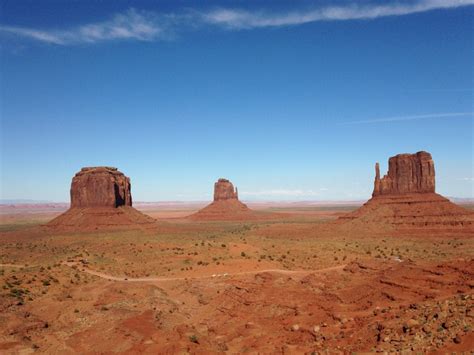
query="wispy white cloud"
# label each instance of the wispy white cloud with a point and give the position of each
(131, 25)
(242, 19)
(413, 117)
(466, 179)
(43, 36)
(150, 26)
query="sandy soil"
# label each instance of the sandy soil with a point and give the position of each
(289, 285)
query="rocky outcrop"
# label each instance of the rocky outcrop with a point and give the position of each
(405, 199)
(224, 190)
(407, 173)
(226, 205)
(100, 187)
(101, 199)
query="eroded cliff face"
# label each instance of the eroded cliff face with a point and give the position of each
(100, 187)
(224, 190)
(407, 173)
(405, 199)
(226, 205)
(100, 200)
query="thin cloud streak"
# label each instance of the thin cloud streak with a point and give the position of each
(151, 26)
(131, 25)
(411, 118)
(42, 36)
(241, 19)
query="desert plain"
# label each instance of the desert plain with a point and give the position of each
(287, 285)
(236, 177)
(394, 275)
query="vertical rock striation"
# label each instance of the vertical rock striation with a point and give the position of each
(101, 198)
(100, 187)
(405, 199)
(224, 190)
(407, 173)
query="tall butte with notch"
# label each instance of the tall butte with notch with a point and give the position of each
(405, 199)
(101, 198)
(407, 173)
(226, 204)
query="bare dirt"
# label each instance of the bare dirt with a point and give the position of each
(411, 213)
(229, 210)
(295, 282)
(226, 206)
(99, 218)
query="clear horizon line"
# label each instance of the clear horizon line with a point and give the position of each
(39, 202)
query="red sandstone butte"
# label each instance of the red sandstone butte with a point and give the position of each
(407, 173)
(226, 205)
(224, 190)
(405, 198)
(100, 187)
(101, 198)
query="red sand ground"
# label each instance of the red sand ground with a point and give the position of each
(99, 218)
(413, 213)
(224, 210)
(291, 284)
(230, 210)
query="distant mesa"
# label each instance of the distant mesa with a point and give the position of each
(226, 204)
(100, 198)
(405, 198)
(224, 190)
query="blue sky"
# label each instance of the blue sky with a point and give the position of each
(294, 101)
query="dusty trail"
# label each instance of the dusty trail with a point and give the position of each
(12, 265)
(164, 279)
(102, 275)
